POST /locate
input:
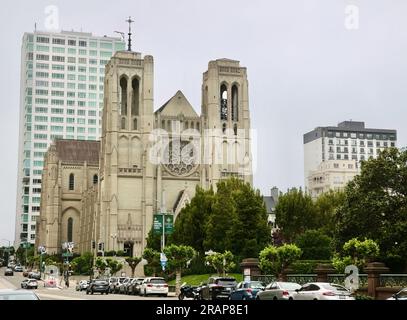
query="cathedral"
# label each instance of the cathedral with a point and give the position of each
(103, 194)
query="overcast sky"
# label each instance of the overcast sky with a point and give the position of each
(305, 67)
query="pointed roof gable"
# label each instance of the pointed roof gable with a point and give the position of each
(178, 104)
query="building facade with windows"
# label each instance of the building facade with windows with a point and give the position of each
(149, 162)
(332, 155)
(61, 96)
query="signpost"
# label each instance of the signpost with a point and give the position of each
(163, 223)
(163, 260)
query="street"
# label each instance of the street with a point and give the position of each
(13, 282)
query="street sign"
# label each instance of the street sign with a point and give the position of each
(163, 265)
(163, 257)
(158, 223)
(67, 254)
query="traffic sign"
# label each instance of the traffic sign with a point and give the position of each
(163, 257)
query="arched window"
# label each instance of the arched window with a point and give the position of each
(135, 97)
(71, 181)
(123, 123)
(223, 102)
(123, 87)
(235, 103)
(197, 126)
(235, 129)
(224, 127)
(70, 230)
(95, 179)
(163, 124)
(169, 125)
(135, 124)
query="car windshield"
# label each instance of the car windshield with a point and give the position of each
(226, 282)
(256, 285)
(24, 296)
(335, 287)
(99, 282)
(290, 286)
(157, 281)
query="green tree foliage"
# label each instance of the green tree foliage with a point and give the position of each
(295, 213)
(101, 265)
(154, 240)
(234, 218)
(114, 265)
(356, 252)
(189, 227)
(178, 258)
(133, 262)
(221, 262)
(153, 260)
(273, 260)
(83, 264)
(375, 205)
(326, 206)
(315, 245)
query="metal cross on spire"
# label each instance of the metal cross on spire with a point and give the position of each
(129, 21)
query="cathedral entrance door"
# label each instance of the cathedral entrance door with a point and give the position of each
(128, 248)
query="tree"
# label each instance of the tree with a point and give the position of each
(114, 265)
(101, 265)
(153, 259)
(375, 205)
(221, 262)
(83, 264)
(356, 252)
(133, 262)
(326, 206)
(315, 245)
(295, 213)
(178, 257)
(189, 227)
(274, 260)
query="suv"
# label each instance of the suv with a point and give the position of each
(217, 288)
(8, 272)
(134, 286)
(154, 285)
(29, 284)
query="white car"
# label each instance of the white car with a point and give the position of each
(82, 285)
(29, 284)
(154, 285)
(401, 295)
(322, 291)
(279, 291)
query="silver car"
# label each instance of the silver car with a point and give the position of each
(322, 291)
(279, 291)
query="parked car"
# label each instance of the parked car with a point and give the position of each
(247, 290)
(34, 275)
(134, 286)
(98, 285)
(26, 272)
(18, 269)
(29, 284)
(124, 285)
(115, 283)
(279, 291)
(154, 285)
(401, 295)
(8, 272)
(217, 288)
(82, 285)
(322, 291)
(9, 294)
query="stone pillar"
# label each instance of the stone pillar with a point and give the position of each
(252, 264)
(322, 271)
(373, 270)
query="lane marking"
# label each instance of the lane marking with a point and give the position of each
(52, 296)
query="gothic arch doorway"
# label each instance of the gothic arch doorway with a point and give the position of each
(128, 248)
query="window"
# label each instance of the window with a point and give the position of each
(58, 50)
(95, 179)
(70, 129)
(58, 58)
(81, 112)
(42, 39)
(59, 67)
(70, 230)
(82, 43)
(223, 102)
(71, 183)
(71, 42)
(58, 41)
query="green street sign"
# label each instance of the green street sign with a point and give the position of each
(158, 223)
(67, 254)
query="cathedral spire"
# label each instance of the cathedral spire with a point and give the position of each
(129, 21)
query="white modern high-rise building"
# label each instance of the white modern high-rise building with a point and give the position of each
(61, 96)
(332, 154)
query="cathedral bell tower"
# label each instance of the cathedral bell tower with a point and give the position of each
(225, 112)
(126, 175)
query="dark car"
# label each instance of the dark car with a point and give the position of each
(247, 290)
(9, 272)
(34, 275)
(9, 294)
(134, 286)
(98, 285)
(217, 288)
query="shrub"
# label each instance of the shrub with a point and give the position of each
(306, 266)
(314, 245)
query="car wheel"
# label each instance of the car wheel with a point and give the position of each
(91, 292)
(315, 299)
(290, 298)
(257, 297)
(87, 292)
(181, 296)
(145, 293)
(275, 298)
